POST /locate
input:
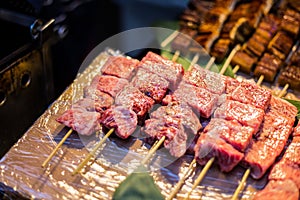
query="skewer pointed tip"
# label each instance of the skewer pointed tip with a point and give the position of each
(241, 185)
(93, 152)
(56, 148)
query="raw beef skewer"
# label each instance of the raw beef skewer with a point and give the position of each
(194, 77)
(284, 175)
(161, 74)
(96, 99)
(272, 137)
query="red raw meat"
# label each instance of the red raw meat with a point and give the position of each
(245, 114)
(123, 120)
(177, 123)
(211, 145)
(167, 69)
(135, 100)
(183, 112)
(249, 93)
(230, 84)
(271, 140)
(289, 166)
(283, 107)
(101, 100)
(176, 138)
(80, 120)
(120, 66)
(108, 84)
(201, 100)
(232, 132)
(150, 84)
(206, 79)
(281, 189)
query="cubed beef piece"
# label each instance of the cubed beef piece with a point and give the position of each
(101, 100)
(283, 189)
(271, 140)
(250, 93)
(120, 66)
(296, 131)
(150, 84)
(80, 120)
(211, 145)
(122, 119)
(177, 123)
(231, 84)
(231, 131)
(201, 100)
(91, 105)
(289, 166)
(135, 100)
(283, 107)
(108, 84)
(176, 138)
(206, 79)
(245, 114)
(165, 68)
(183, 112)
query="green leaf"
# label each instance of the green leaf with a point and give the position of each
(138, 185)
(295, 103)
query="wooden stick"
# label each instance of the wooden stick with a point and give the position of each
(194, 60)
(152, 150)
(227, 62)
(57, 147)
(176, 55)
(260, 80)
(93, 152)
(283, 91)
(181, 181)
(169, 39)
(241, 185)
(200, 176)
(236, 69)
(210, 63)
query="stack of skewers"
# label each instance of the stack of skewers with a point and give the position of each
(242, 118)
(244, 124)
(266, 30)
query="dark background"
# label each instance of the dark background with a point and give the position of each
(88, 23)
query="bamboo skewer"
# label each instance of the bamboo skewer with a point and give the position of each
(227, 62)
(210, 162)
(153, 150)
(283, 91)
(57, 147)
(169, 39)
(200, 176)
(210, 63)
(260, 80)
(236, 69)
(181, 181)
(241, 184)
(176, 55)
(93, 152)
